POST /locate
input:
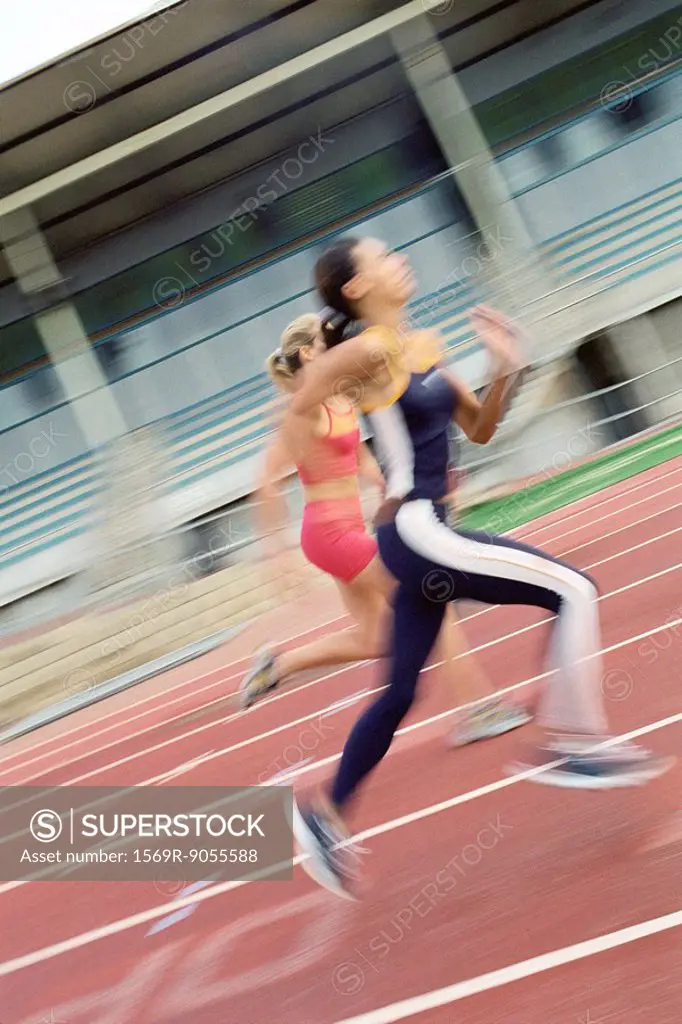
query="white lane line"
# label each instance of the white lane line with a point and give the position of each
(126, 923)
(296, 770)
(158, 706)
(68, 739)
(600, 519)
(302, 768)
(136, 755)
(614, 533)
(315, 715)
(515, 972)
(240, 745)
(287, 692)
(91, 752)
(635, 547)
(585, 505)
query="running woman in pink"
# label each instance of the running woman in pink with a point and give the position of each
(334, 538)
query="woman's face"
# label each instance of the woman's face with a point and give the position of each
(382, 274)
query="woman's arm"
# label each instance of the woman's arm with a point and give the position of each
(369, 469)
(478, 418)
(344, 370)
(271, 506)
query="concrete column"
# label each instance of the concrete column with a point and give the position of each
(126, 544)
(62, 333)
(640, 349)
(513, 272)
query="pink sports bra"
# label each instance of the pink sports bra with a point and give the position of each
(332, 457)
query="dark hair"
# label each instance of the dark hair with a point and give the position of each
(333, 270)
(337, 327)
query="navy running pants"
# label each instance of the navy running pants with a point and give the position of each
(434, 564)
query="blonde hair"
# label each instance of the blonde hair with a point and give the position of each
(285, 361)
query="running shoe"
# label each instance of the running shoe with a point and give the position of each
(493, 718)
(585, 766)
(260, 679)
(329, 858)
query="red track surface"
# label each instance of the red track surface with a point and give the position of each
(495, 879)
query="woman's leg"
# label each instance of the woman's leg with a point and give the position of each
(496, 570)
(416, 625)
(491, 570)
(469, 682)
(366, 605)
(571, 719)
(490, 714)
(427, 587)
(365, 598)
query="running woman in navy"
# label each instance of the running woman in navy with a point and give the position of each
(410, 400)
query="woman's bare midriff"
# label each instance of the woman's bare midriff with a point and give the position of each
(331, 490)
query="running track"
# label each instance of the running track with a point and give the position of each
(488, 900)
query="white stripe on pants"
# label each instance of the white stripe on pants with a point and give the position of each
(496, 570)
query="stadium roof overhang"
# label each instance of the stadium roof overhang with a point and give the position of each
(172, 105)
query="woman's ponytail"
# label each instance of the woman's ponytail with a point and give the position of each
(278, 369)
(337, 327)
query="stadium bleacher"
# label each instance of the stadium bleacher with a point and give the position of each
(229, 427)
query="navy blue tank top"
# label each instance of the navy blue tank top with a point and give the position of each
(413, 438)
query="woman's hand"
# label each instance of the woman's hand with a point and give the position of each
(500, 338)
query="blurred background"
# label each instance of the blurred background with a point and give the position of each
(166, 188)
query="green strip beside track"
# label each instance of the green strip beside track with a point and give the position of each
(501, 515)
